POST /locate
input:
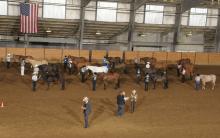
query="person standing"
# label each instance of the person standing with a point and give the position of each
(83, 72)
(197, 81)
(70, 66)
(34, 81)
(8, 60)
(179, 66)
(146, 81)
(94, 78)
(183, 75)
(22, 67)
(138, 75)
(65, 62)
(133, 99)
(121, 103)
(86, 107)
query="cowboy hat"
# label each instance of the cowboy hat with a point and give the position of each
(85, 99)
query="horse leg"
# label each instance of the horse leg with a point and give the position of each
(104, 85)
(48, 85)
(213, 85)
(118, 83)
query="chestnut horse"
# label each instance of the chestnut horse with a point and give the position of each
(111, 78)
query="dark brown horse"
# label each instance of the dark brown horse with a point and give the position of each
(111, 78)
(184, 61)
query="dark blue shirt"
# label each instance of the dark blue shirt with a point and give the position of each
(120, 100)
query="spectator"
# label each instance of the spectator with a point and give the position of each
(133, 100)
(86, 107)
(197, 81)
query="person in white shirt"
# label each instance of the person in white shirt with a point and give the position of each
(197, 81)
(183, 75)
(36, 69)
(22, 67)
(133, 99)
(8, 60)
(34, 81)
(179, 66)
(148, 65)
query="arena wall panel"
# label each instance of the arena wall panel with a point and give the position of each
(53, 54)
(37, 53)
(202, 59)
(214, 59)
(160, 56)
(190, 55)
(173, 57)
(129, 55)
(77, 53)
(115, 54)
(98, 54)
(2, 52)
(16, 51)
(144, 54)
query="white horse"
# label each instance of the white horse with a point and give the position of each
(208, 78)
(95, 69)
(36, 62)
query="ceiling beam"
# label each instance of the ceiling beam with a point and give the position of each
(139, 3)
(188, 4)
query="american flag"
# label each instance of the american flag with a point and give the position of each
(29, 16)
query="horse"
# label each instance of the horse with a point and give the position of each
(52, 73)
(18, 58)
(161, 65)
(189, 70)
(36, 62)
(111, 77)
(161, 78)
(95, 69)
(184, 61)
(208, 78)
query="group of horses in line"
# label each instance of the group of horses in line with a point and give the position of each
(55, 72)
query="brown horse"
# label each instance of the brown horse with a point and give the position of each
(160, 65)
(116, 60)
(111, 78)
(184, 61)
(79, 62)
(18, 58)
(189, 70)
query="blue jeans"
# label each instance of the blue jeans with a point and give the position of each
(86, 118)
(121, 110)
(197, 84)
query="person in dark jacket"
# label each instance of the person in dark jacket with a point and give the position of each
(65, 62)
(94, 78)
(86, 107)
(146, 81)
(121, 103)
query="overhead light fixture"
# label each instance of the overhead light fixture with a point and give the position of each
(98, 33)
(48, 30)
(189, 34)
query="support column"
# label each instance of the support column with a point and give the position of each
(217, 37)
(176, 27)
(82, 24)
(131, 25)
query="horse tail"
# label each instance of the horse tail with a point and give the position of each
(118, 83)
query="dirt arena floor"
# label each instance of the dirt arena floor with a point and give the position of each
(179, 112)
